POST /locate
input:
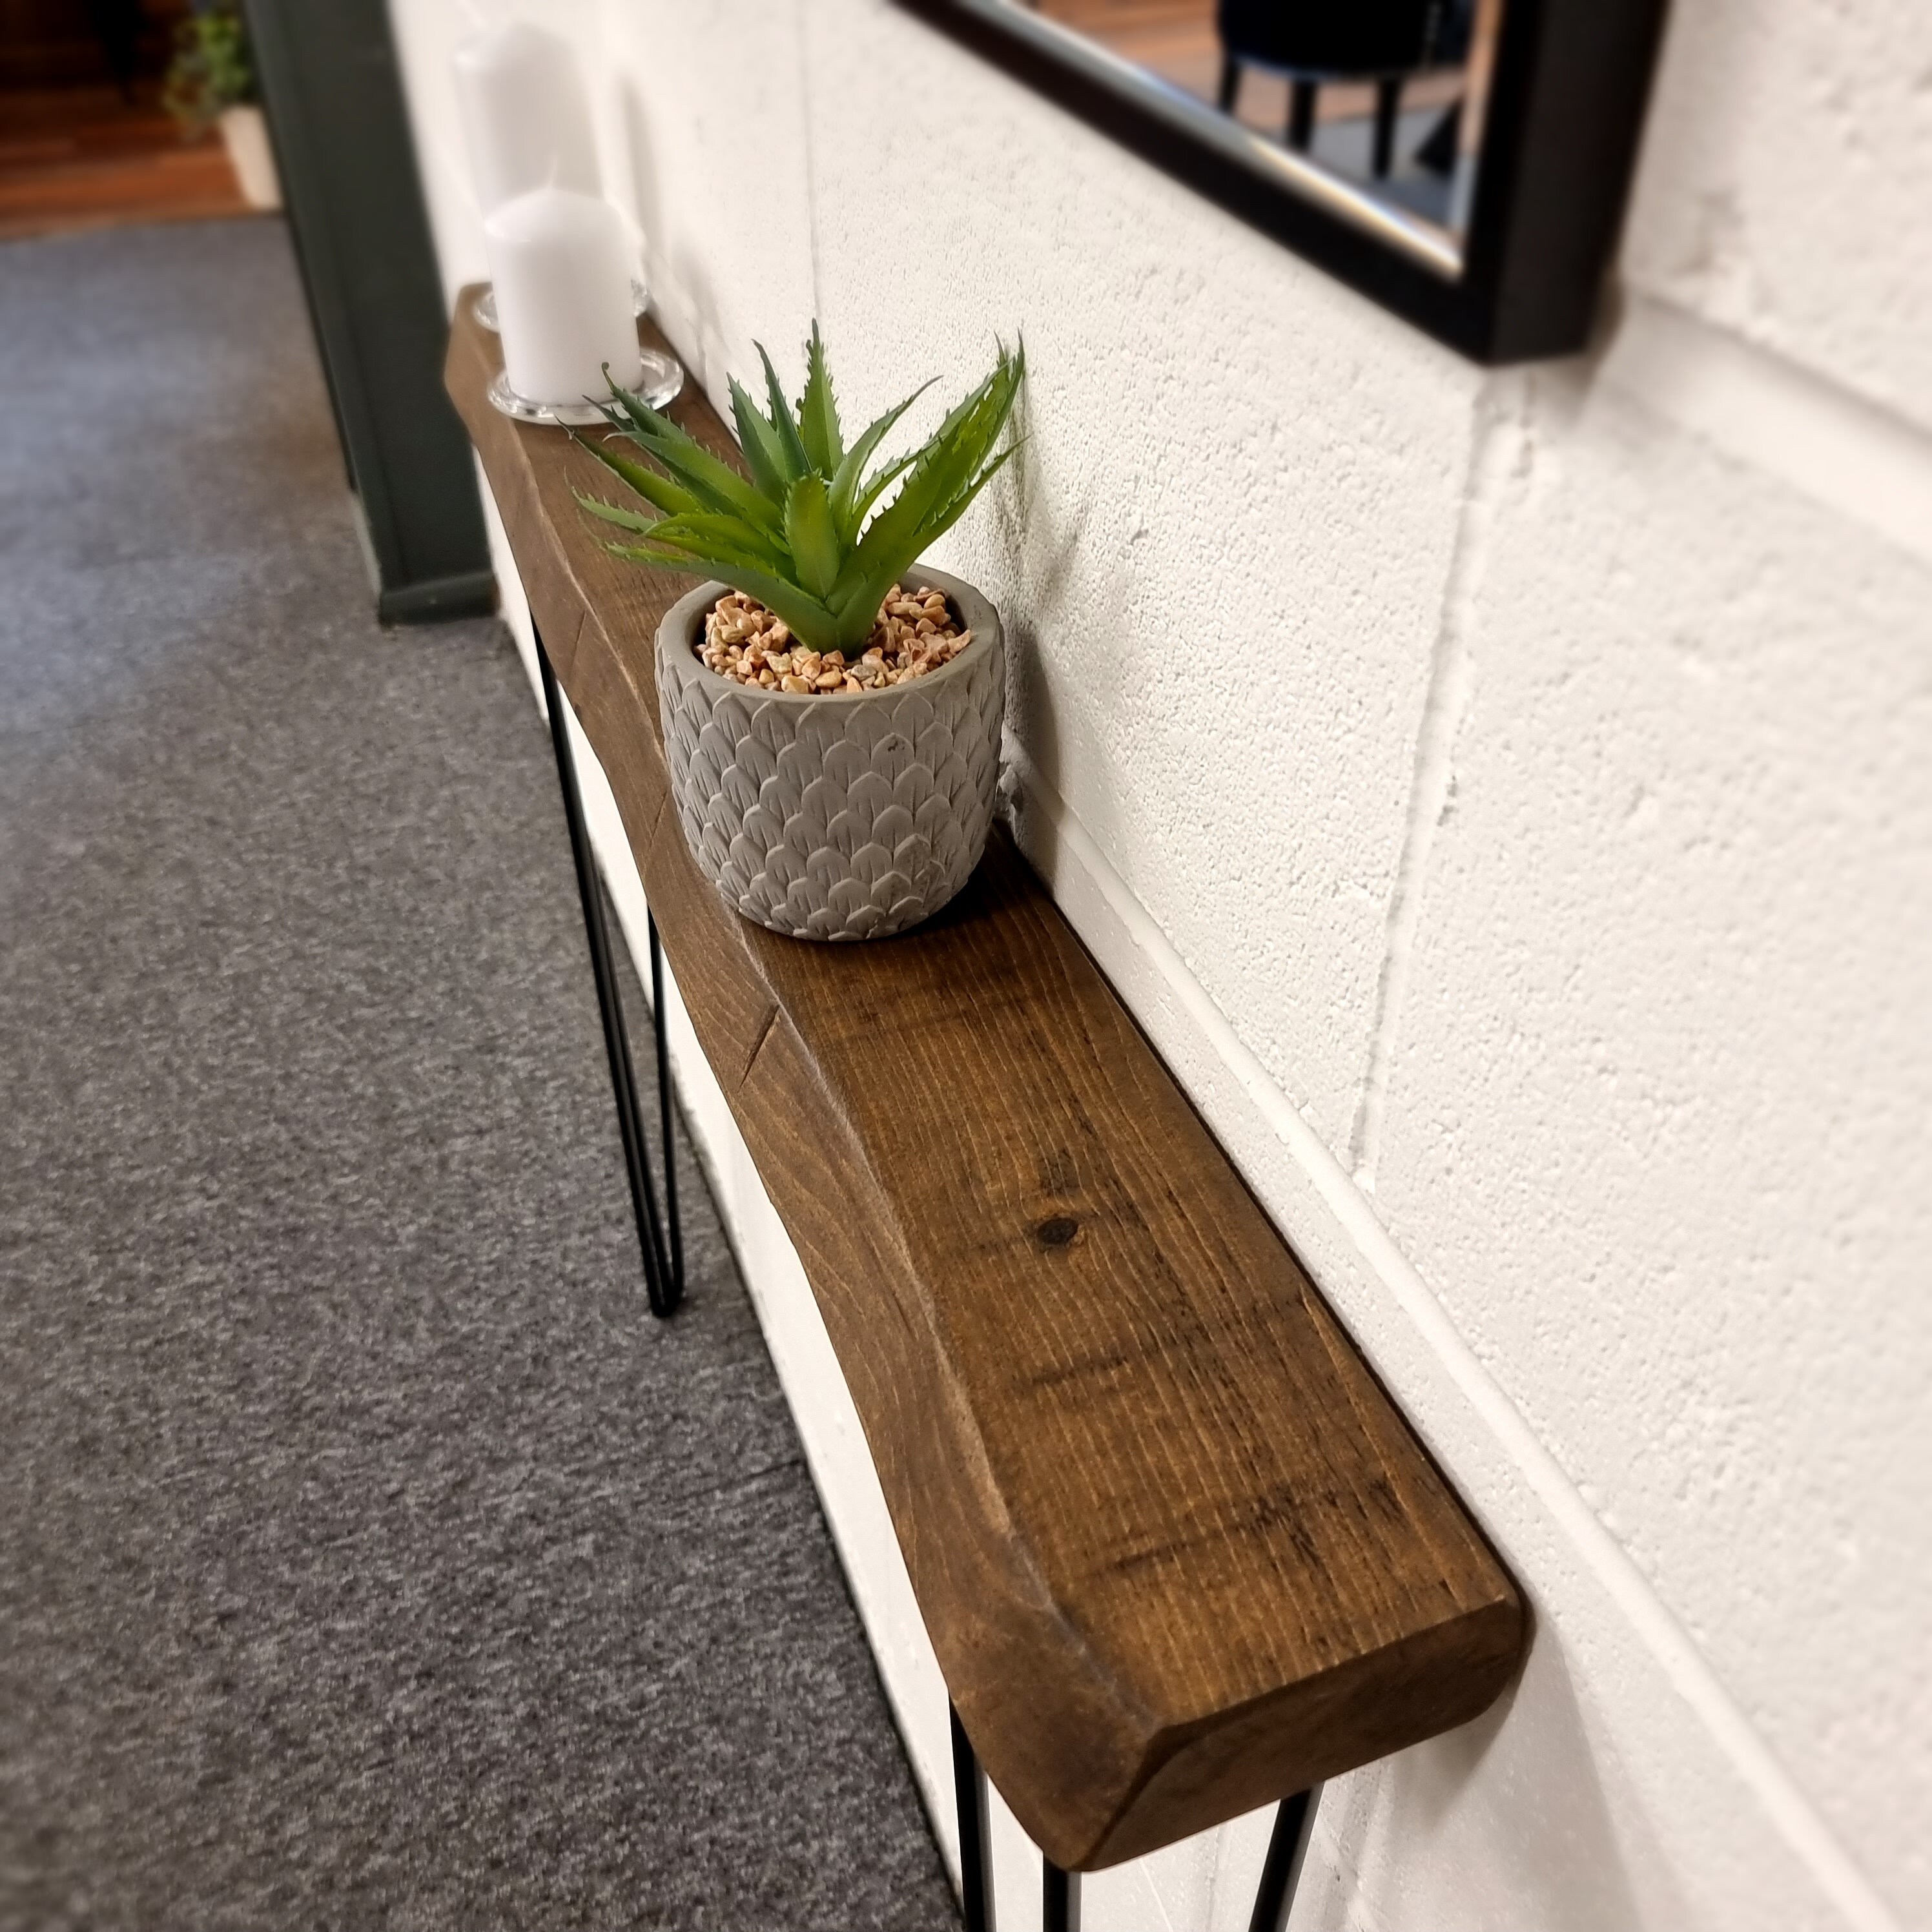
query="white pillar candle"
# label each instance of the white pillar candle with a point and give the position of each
(560, 263)
(526, 115)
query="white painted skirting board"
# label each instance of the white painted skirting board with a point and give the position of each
(1698, 1774)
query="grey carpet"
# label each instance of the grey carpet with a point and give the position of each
(368, 1556)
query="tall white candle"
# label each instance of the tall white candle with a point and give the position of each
(560, 262)
(526, 115)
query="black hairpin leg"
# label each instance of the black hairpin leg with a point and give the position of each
(667, 1112)
(1287, 1852)
(969, 1804)
(664, 1260)
(1060, 1899)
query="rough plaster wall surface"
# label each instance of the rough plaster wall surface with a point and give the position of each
(1540, 934)
(713, 117)
(1036, 226)
(425, 37)
(1657, 1126)
(1782, 193)
(1220, 443)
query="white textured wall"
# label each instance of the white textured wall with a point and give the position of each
(1546, 929)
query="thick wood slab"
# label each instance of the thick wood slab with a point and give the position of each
(1178, 1553)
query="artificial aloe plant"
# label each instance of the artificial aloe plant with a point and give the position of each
(794, 534)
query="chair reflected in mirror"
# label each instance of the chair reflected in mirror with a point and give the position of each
(1385, 95)
(1464, 162)
(1385, 43)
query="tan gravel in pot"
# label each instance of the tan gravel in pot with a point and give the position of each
(914, 635)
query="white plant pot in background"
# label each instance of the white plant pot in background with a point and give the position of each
(245, 134)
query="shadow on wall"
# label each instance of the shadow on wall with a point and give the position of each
(687, 302)
(1035, 540)
(1504, 1823)
(645, 185)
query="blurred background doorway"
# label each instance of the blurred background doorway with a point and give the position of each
(85, 140)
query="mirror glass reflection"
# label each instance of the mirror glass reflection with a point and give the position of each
(1373, 107)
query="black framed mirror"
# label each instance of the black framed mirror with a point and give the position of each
(1463, 162)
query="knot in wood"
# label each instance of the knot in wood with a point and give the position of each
(1057, 1231)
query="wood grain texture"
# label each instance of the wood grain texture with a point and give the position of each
(1178, 1553)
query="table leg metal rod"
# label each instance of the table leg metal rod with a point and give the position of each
(1059, 1899)
(663, 1267)
(1287, 1852)
(1059, 1895)
(969, 1800)
(666, 1110)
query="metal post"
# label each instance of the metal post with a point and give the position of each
(665, 1111)
(969, 1801)
(1287, 1852)
(1060, 1899)
(1059, 1895)
(663, 1265)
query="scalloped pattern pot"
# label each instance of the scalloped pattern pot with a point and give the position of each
(835, 818)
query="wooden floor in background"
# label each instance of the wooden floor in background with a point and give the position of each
(76, 157)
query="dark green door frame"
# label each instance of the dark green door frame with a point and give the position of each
(334, 102)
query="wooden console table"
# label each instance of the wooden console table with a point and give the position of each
(1178, 1553)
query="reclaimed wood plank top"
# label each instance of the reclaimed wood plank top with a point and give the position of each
(1178, 1554)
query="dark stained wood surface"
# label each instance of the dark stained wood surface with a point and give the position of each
(1178, 1553)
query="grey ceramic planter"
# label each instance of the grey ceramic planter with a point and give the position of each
(835, 816)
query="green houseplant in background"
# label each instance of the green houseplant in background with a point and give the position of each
(831, 704)
(211, 83)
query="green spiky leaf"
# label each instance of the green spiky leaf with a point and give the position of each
(716, 484)
(800, 532)
(759, 442)
(705, 536)
(812, 535)
(809, 621)
(886, 476)
(818, 428)
(867, 595)
(946, 467)
(796, 462)
(851, 496)
(612, 513)
(669, 497)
